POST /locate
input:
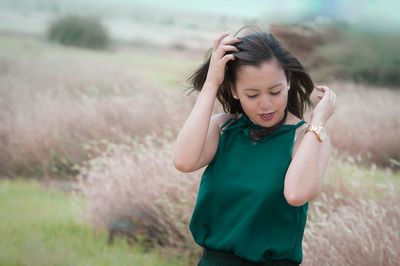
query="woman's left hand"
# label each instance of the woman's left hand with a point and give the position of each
(325, 107)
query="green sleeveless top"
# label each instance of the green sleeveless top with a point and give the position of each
(240, 206)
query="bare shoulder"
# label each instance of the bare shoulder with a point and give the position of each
(294, 120)
(291, 119)
(221, 118)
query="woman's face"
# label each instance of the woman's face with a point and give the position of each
(262, 92)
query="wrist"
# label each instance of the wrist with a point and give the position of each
(319, 131)
(317, 121)
(211, 84)
(209, 89)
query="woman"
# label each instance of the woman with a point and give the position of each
(264, 163)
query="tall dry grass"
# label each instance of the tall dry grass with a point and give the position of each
(138, 183)
(366, 122)
(364, 232)
(352, 222)
(58, 112)
(54, 101)
(51, 106)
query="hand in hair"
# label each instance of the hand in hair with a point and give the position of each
(219, 57)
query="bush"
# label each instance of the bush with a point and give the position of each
(343, 51)
(79, 31)
(359, 55)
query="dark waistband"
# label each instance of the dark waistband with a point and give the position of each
(236, 260)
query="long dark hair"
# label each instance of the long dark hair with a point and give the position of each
(254, 50)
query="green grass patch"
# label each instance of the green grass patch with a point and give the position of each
(41, 227)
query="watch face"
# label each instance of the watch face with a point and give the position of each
(322, 133)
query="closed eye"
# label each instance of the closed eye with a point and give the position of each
(272, 93)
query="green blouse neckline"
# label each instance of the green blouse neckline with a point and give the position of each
(244, 124)
(246, 120)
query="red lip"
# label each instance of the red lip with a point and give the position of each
(267, 116)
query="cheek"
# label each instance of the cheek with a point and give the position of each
(248, 104)
(281, 101)
(284, 96)
(284, 99)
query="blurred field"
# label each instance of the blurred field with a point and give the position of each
(353, 221)
(100, 126)
(356, 218)
(56, 100)
(44, 227)
(129, 23)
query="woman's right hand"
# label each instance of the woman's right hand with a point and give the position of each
(222, 44)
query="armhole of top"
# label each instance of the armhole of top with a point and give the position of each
(221, 128)
(296, 134)
(299, 124)
(226, 124)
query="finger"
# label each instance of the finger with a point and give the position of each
(326, 96)
(227, 57)
(333, 97)
(330, 95)
(226, 48)
(319, 93)
(218, 40)
(322, 88)
(230, 40)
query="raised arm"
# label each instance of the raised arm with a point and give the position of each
(303, 180)
(197, 141)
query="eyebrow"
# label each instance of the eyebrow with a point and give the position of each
(253, 89)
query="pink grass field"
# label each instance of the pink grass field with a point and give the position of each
(108, 121)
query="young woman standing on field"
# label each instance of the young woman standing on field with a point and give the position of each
(264, 163)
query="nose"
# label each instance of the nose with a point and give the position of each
(265, 103)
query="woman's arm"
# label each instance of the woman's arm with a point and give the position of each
(303, 179)
(197, 141)
(190, 141)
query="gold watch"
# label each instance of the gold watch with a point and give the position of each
(319, 131)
